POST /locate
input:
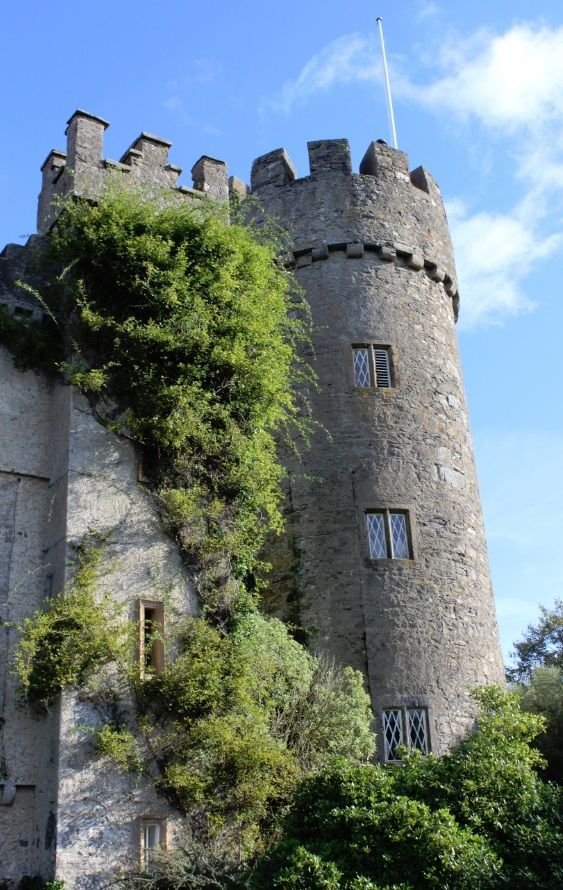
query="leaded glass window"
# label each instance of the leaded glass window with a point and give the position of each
(388, 534)
(376, 535)
(362, 372)
(392, 733)
(399, 537)
(418, 736)
(404, 726)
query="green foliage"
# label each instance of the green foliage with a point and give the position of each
(184, 330)
(539, 674)
(64, 644)
(216, 720)
(119, 743)
(196, 867)
(477, 817)
(29, 340)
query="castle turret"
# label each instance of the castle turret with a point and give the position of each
(390, 563)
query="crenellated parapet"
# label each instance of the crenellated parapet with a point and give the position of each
(384, 208)
(83, 171)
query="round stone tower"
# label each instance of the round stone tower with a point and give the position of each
(386, 559)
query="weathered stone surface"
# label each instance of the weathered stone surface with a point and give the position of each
(82, 171)
(210, 177)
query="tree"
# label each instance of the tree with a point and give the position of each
(542, 645)
(539, 677)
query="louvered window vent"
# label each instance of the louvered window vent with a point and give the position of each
(372, 366)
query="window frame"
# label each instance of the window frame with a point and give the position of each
(387, 514)
(145, 823)
(405, 712)
(372, 347)
(153, 611)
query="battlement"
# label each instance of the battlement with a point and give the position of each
(328, 157)
(384, 208)
(83, 171)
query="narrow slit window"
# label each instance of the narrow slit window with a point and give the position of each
(151, 633)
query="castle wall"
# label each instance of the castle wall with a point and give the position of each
(99, 807)
(27, 743)
(374, 257)
(64, 811)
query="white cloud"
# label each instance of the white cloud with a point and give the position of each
(348, 59)
(512, 85)
(512, 80)
(427, 10)
(494, 254)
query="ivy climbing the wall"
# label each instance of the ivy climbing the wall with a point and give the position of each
(77, 634)
(184, 329)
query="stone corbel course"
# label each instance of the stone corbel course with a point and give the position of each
(390, 253)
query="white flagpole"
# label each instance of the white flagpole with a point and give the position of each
(390, 114)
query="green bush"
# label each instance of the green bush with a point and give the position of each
(217, 720)
(477, 817)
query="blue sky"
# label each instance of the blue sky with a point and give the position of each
(478, 92)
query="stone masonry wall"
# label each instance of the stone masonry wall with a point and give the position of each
(27, 744)
(99, 807)
(82, 170)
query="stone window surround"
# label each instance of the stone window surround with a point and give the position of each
(404, 712)
(153, 611)
(386, 511)
(372, 344)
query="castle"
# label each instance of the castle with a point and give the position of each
(384, 558)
